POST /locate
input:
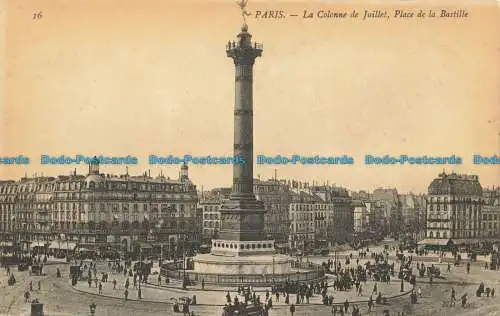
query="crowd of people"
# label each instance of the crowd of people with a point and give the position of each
(347, 273)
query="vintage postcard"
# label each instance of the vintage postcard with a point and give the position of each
(249, 157)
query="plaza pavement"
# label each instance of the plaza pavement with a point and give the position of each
(213, 295)
(61, 299)
(434, 294)
(430, 257)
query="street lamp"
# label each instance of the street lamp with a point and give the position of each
(92, 308)
(274, 255)
(184, 281)
(158, 230)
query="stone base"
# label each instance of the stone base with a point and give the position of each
(233, 248)
(254, 270)
(245, 265)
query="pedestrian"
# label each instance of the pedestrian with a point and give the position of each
(114, 284)
(453, 298)
(126, 294)
(492, 292)
(39, 285)
(334, 310)
(100, 288)
(292, 309)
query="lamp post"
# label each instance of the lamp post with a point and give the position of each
(274, 255)
(335, 261)
(184, 281)
(158, 234)
(92, 308)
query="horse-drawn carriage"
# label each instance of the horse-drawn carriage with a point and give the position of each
(289, 287)
(405, 274)
(22, 266)
(143, 267)
(12, 280)
(435, 272)
(379, 271)
(75, 271)
(181, 304)
(36, 269)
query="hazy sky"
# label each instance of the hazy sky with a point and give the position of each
(152, 77)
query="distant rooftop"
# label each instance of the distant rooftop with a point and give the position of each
(456, 184)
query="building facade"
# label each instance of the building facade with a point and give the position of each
(211, 217)
(492, 196)
(301, 213)
(392, 205)
(276, 198)
(413, 213)
(99, 211)
(454, 207)
(491, 222)
(8, 190)
(360, 214)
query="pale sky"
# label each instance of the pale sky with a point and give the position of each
(152, 77)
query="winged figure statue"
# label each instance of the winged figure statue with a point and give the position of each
(244, 13)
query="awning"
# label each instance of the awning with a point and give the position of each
(434, 242)
(62, 245)
(490, 240)
(282, 245)
(467, 241)
(85, 250)
(37, 244)
(93, 244)
(6, 244)
(146, 246)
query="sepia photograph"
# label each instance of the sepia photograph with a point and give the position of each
(249, 157)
